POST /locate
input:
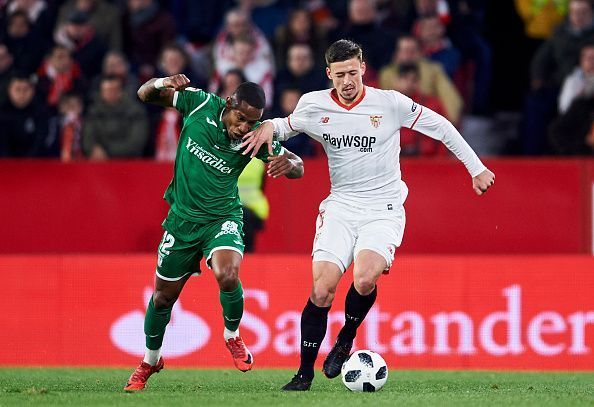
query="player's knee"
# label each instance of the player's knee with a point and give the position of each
(162, 300)
(364, 284)
(228, 277)
(322, 296)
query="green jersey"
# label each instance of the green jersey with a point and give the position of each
(208, 162)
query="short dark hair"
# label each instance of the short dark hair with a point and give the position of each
(343, 50)
(408, 67)
(250, 93)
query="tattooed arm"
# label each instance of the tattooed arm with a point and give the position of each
(159, 91)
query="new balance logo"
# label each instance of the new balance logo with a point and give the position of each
(211, 121)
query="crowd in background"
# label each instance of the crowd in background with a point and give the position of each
(517, 77)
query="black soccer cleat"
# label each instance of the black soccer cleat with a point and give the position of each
(338, 355)
(297, 383)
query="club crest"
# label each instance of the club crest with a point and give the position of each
(375, 120)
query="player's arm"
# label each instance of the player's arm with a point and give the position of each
(434, 125)
(281, 128)
(287, 163)
(160, 91)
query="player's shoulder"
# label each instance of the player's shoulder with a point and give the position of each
(381, 93)
(200, 96)
(316, 96)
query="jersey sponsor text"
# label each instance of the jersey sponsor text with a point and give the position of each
(207, 157)
(364, 142)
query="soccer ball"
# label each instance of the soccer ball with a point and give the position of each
(364, 370)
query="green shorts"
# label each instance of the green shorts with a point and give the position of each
(185, 242)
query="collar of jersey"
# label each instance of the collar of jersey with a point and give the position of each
(335, 98)
(221, 120)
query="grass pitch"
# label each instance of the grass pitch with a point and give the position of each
(176, 387)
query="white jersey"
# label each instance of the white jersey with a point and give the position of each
(362, 141)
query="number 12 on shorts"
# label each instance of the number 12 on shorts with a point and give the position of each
(166, 243)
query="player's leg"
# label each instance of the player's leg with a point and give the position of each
(332, 254)
(224, 250)
(177, 261)
(225, 265)
(314, 320)
(158, 315)
(359, 300)
(374, 253)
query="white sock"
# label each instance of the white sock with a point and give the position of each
(152, 356)
(230, 334)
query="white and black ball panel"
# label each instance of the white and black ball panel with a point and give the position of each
(364, 371)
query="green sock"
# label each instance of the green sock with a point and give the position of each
(232, 302)
(155, 322)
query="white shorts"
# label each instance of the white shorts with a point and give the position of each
(342, 231)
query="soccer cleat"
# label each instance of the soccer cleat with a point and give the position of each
(336, 358)
(298, 383)
(142, 373)
(241, 355)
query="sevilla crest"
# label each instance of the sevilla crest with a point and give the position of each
(375, 120)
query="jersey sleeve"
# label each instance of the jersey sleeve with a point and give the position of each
(431, 124)
(277, 149)
(407, 110)
(295, 123)
(189, 100)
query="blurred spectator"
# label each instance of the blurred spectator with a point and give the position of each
(300, 29)
(571, 133)
(327, 14)
(115, 126)
(301, 144)
(581, 81)
(464, 20)
(173, 61)
(6, 72)
(24, 122)
(57, 75)
(77, 35)
(253, 55)
(559, 55)
(434, 80)
(411, 141)
(167, 134)
(255, 205)
(554, 60)
(230, 82)
(41, 18)
(116, 64)
(147, 29)
(301, 73)
(267, 15)
(436, 45)
(27, 47)
(199, 21)
(70, 127)
(541, 17)
(104, 17)
(363, 28)
(256, 67)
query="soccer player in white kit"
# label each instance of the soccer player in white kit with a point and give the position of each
(363, 218)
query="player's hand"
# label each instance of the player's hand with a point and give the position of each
(177, 82)
(483, 181)
(254, 139)
(279, 165)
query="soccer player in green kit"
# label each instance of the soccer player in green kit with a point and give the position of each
(205, 216)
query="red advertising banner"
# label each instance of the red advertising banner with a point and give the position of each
(483, 312)
(538, 206)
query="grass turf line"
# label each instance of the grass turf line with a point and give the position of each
(178, 387)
